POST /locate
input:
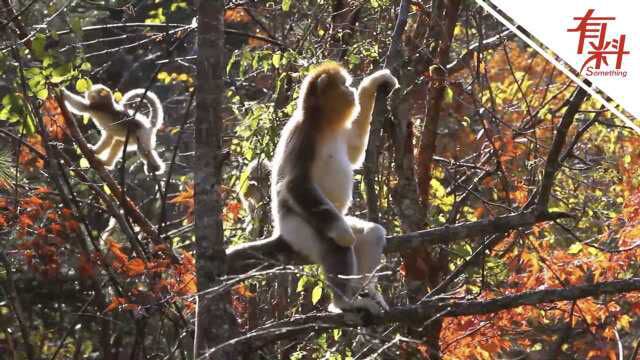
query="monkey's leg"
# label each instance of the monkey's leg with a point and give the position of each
(335, 259)
(368, 250)
(114, 152)
(340, 267)
(103, 144)
(146, 143)
(339, 263)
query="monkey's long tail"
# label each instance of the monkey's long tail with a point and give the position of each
(157, 113)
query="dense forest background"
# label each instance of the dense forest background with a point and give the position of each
(509, 196)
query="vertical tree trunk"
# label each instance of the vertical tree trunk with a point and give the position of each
(431, 265)
(215, 321)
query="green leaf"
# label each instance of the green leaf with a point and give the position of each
(276, 59)
(301, 283)
(448, 95)
(83, 85)
(76, 25)
(84, 163)
(286, 4)
(48, 60)
(336, 334)
(28, 125)
(232, 60)
(244, 181)
(575, 248)
(316, 294)
(63, 70)
(42, 94)
(37, 46)
(57, 79)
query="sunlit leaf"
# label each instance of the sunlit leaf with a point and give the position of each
(316, 294)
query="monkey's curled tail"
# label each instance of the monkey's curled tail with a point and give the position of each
(156, 116)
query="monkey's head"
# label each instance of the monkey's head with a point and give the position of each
(327, 96)
(99, 94)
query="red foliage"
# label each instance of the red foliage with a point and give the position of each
(53, 119)
(27, 159)
(185, 198)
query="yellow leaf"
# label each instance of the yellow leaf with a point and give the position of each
(624, 321)
(316, 294)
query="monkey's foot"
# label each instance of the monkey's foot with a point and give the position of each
(153, 167)
(376, 296)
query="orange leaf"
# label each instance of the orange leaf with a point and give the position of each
(236, 15)
(116, 250)
(115, 302)
(243, 290)
(184, 197)
(85, 267)
(42, 190)
(135, 267)
(25, 221)
(233, 208)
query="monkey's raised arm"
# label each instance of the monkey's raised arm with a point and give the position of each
(156, 116)
(359, 132)
(76, 104)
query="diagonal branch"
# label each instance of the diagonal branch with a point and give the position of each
(488, 44)
(435, 308)
(553, 163)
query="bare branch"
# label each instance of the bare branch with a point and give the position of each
(553, 159)
(488, 44)
(438, 308)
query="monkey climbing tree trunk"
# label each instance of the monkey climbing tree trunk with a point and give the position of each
(215, 321)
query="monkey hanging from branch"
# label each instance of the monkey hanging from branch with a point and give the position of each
(116, 120)
(312, 183)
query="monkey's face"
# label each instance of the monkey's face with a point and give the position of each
(99, 94)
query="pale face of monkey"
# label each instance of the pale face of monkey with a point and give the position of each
(99, 94)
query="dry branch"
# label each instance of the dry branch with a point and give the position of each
(488, 44)
(553, 163)
(428, 309)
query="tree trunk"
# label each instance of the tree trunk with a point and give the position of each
(215, 321)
